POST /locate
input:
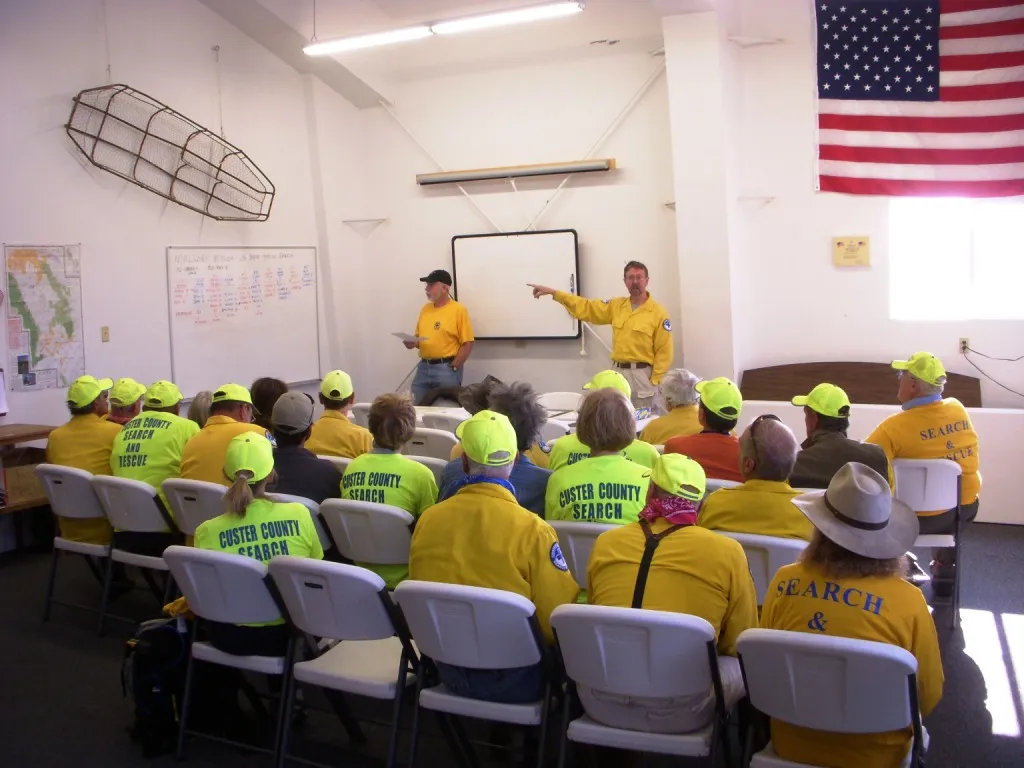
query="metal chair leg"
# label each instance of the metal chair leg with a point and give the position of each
(414, 733)
(179, 751)
(284, 710)
(563, 736)
(105, 599)
(543, 738)
(50, 583)
(396, 717)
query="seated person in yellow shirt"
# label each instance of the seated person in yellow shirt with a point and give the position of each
(482, 538)
(333, 434)
(933, 427)
(679, 393)
(605, 486)
(230, 415)
(572, 448)
(254, 526)
(85, 443)
(125, 400)
(385, 476)
(693, 571)
(850, 583)
(149, 449)
(763, 503)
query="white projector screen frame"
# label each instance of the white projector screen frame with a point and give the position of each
(490, 273)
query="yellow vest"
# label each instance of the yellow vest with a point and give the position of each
(149, 448)
(203, 457)
(602, 489)
(568, 450)
(763, 507)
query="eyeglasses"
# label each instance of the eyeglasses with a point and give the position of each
(753, 432)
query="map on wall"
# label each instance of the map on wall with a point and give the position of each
(44, 316)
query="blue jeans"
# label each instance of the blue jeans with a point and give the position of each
(430, 377)
(516, 685)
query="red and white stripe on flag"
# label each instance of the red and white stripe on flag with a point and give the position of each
(968, 143)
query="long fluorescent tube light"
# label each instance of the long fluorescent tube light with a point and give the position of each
(506, 18)
(367, 41)
(516, 172)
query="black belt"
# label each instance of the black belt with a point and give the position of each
(437, 360)
(631, 365)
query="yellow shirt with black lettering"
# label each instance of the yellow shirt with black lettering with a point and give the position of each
(334, 435)
(481, 537)
(393, 479)
(149, 449)
(534, 453)
(85, 442)
(266, 530)
(694, 571)
(884, 609)
(566, 451)
(679, 422)
(641, 335)
(603, 489)
(203, 457)
(938, 430)
(443, 329)
(762, 507)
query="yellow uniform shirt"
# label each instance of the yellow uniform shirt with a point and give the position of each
(443, 329)
(334, 435)
(203, 457)
(393, 479)
(641, 335)
(938, 430)
(763, 507)
(567, 450)
(267, 529)
(678, 422)
(480, 537)
(85, 443)
(534, 453)
(694, 571)
(149, 448)
(605, 489)
(884, 609)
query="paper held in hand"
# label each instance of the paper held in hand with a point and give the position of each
(408, 337)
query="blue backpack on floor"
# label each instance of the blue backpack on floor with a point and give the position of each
(153, 674)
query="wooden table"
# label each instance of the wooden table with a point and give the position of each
(16, 461)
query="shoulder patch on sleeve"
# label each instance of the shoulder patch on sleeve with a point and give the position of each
(270, 437)
(667, 325)
(544, 447)
(557, 559)
(605, 301)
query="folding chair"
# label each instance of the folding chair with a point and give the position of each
(765, 555)
(560, 401)
(377, 534)
(835, 684)
(341, 462)
(435, 443)
(577, 542)
(443, 421)
(71, 495)
(232, 589)
(434, 465)
(926, 485)
(326, 542)
(133, 506)
(480, 629)
(193, 502)
(552, 429)
(344, 602)
(657, 654)
(361, 414)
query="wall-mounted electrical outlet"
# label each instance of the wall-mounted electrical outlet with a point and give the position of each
(965, 344)
(105, 333)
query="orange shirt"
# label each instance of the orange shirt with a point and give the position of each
(718, 454)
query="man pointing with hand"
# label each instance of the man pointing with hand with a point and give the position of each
(641, 330)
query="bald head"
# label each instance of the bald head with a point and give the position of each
(767, 451)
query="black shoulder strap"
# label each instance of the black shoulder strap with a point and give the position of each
(651, 544)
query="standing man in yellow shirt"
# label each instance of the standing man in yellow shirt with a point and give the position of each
(446, 338)
(230, 415)
(641, 330)
(333, 434)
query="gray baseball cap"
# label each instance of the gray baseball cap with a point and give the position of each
(293, 413)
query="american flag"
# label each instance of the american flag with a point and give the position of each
(921, 97)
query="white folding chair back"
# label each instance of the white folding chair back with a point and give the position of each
(927, 484)
(70, 492)
(368, 532)
(714, 484)
(765, 555)
(361, 414)
(434, 465)
(314, 512)
(552, 429)
(576, 541)
(130, 505)
(443, 421)
(560, 401)
(660, 449)
(221, 586)
(341, 462)
(193, 502)
(436, 443)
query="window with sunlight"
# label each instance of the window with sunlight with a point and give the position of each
(954, 259)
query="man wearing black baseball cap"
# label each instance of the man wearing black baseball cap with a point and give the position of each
(445, 337)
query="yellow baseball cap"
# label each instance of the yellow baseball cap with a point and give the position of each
(337, 385)
(126, 391)
(679, 475)
(85, 389)
(612, 379)
(488, 438)
(251, 452)
(234, 393)
(826, 399)
(924, 366)
(163, 394)
(720, 396)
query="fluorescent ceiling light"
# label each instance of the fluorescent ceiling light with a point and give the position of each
(506, 18)
(367, 41)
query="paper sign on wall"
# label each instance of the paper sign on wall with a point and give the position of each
(851, 251)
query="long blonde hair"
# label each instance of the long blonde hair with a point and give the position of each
(241, 494)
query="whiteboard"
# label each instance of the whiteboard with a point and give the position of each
(490, 273)
(240, 313)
